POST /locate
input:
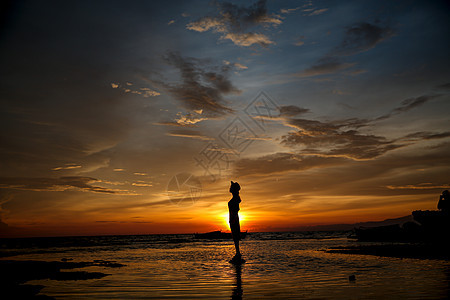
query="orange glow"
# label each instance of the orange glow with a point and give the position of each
(225, 216)
(199, 218)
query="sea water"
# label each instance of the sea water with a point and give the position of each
(279, 266)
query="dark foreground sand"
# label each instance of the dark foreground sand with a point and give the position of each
(15, 273)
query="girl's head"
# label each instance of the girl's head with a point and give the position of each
(234, 187)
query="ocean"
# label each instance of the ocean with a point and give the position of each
(278, 266)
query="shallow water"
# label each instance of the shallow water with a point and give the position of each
(279, 266)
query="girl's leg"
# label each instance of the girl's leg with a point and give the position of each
(236, 245)
(236, 233)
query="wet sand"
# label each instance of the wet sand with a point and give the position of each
(279, 266)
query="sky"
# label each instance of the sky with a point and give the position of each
(132, 117)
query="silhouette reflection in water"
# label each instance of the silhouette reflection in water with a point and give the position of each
(237, 291)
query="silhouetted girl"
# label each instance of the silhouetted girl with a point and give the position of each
(233, 208)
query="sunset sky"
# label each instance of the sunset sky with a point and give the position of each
(325, 112)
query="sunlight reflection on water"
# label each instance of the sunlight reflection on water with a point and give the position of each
(279, 269)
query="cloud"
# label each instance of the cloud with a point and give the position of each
(125, 222)
(189, 119)
(336, 138)
(300, 41)
(282, 162)
(420, 186)
(324, 66)
(286, 176)
(186, 133)
(357, 72)
(408, 104)
(67, 167)
(445, 86)
(216, 148)
(339, 92)
(206, 24)
(234, 22)
(423, 135)
(361, 37)
(57, 184)
(202, 87)
(240, 66)
(248, 39)
(289, 10)
(112, 182)
(317, 12)
(343, 138)
(358, 37)
(185, 120)
(145, 92)
(142, 184)
(173, 123)
(292, 110)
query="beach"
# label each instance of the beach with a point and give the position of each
(279, 266)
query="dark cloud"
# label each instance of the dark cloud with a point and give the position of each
(55, 184)
(233, 22)
(424, 135)
(358, 38)
(327, 65)
(202, 88)
(282, 162)
(342, 138)
(295, 177)
(333, 139)
(361, 37)
(313, 127)
(445, 86)
(408, 104)
(292, 110)
(413, 102)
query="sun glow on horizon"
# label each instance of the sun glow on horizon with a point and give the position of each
(225, 218)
